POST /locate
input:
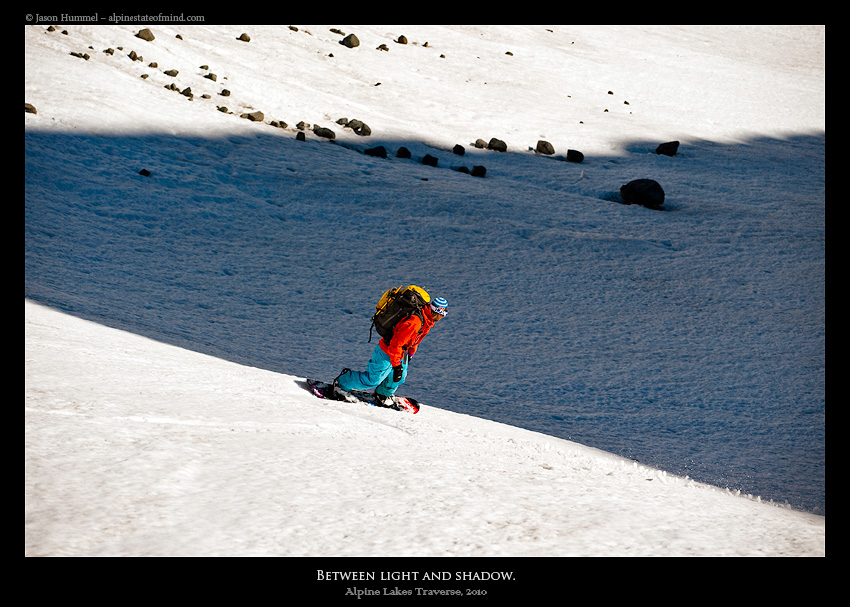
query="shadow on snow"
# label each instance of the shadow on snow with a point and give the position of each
(612, 325)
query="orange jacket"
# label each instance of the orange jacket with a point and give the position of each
(407, 335)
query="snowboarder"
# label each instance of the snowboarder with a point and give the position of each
(387, 369)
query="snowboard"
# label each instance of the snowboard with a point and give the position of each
(405, 404)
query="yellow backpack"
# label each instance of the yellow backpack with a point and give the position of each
(395, 305)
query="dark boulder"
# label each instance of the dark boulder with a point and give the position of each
(359, 127)
(254, 116)
(321, 131)
(146, 34)
(574, 156)
(645, 192)
(378, 152)
(497, 145)
(363, 130)
(668, 149)
(544, 147)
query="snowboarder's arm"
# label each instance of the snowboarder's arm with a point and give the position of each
(404, 335)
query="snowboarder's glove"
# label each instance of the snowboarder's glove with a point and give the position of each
(397, 373)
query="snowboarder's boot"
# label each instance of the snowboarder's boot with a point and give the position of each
(338, 393)
(383, 401)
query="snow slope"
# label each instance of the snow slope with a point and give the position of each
(135, 447)
(690, 339)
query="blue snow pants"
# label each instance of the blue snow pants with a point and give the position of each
(378, 375)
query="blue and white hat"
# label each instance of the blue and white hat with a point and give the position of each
(439, 305)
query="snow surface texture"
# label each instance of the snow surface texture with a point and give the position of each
(134, 447)
(690, 339)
